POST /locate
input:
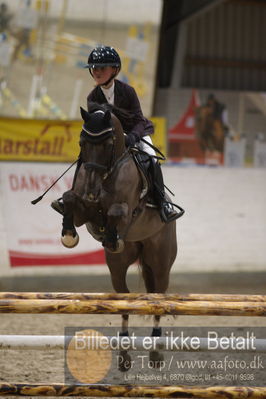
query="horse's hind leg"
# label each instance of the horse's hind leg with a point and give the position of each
(157, 283)
(118, 270)
(124, 360)
(154, 284)
(151, 287)
(157, 257)
(118, 264)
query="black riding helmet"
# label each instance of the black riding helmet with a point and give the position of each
(103, 56)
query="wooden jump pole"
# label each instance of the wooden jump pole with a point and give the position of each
(133, 296)
(139, 307)
(192, 304)
(102, 390)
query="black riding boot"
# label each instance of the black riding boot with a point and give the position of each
(167, 211)
(58, 205)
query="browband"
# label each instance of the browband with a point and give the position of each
(90, 133)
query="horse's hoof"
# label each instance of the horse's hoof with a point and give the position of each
(69, 241)
(156, 358)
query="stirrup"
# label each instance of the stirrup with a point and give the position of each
(173, 214)
(58, 206)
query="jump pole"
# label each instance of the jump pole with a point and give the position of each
(138, 307)
(226, 305)
(133, 296)
(102, 390)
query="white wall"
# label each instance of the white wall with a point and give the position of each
(4, 260)
(224, 227)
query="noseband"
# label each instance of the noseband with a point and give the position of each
(96, 166)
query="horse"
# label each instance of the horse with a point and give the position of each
(210, 131)
(107, 196)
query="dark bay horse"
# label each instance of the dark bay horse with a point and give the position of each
(210, 130)
(108, 198)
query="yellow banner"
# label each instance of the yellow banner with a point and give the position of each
(159, 136)
(52, 140)
(39, 140)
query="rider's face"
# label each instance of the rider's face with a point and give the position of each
(102, 74)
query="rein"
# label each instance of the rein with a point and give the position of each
(160, 158)
(122, 157)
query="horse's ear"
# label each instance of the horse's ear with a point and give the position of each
(84, 114)
(107, 116)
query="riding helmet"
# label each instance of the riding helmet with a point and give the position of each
(103, 56)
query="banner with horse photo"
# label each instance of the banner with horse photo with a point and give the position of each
(43, 140)
(33, 232)
(39, 140)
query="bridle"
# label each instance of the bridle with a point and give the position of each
(98, 137)
(106, 171)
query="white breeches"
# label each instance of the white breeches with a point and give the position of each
(145, 147)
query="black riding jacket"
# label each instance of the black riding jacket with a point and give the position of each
(125, 98)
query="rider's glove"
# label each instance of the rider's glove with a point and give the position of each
(131, 140)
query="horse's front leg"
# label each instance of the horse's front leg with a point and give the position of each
(69, 235)
(115, 227)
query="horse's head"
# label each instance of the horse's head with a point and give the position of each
(102, 143)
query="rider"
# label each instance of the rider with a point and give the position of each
(104, 65)
(218, 111)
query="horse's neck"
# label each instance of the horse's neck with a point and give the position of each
(206, 117)
(119, 143)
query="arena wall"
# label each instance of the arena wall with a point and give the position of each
(4, 259)
(223, 227)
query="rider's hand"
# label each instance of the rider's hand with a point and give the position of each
(131, 140)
